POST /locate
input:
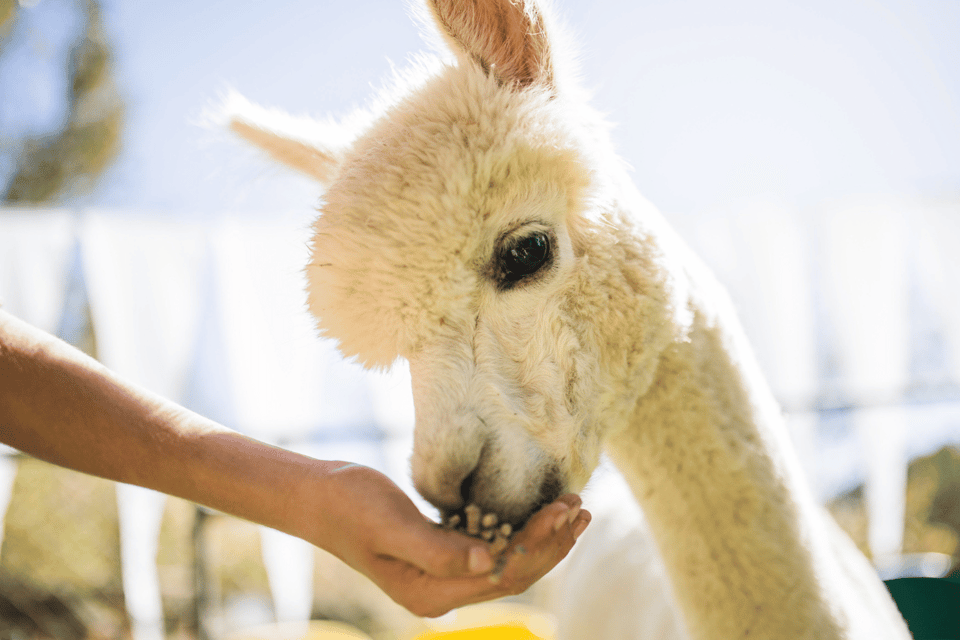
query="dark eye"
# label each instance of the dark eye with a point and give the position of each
(524, 257)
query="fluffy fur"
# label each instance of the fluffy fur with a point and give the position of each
(622, 341)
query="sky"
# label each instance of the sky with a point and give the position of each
(717, 106)
(714, 104)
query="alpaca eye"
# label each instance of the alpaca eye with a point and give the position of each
(524, 257)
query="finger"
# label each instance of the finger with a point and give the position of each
(543, 546)
(581, 523)
(439, 552)
(450, 554)
(571, 499)
(429, 596)
(550, 519)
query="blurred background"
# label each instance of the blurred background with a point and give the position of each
(808, 151)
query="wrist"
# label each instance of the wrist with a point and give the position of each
(314, 502)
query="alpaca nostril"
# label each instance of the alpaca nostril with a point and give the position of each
(466, 487)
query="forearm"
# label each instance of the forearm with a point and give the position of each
(61, 406)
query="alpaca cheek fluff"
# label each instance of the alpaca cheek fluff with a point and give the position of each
(477, 223)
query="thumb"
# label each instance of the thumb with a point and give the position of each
(442, 553)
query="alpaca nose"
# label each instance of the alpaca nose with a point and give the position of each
(446, 488)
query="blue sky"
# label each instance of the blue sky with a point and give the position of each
(715, 103)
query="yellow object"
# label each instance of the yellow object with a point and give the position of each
(496, 632)
(313, 630)
(495, 621)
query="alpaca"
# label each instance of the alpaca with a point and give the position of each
(478, 223)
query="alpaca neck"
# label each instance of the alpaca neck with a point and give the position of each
(705, 455)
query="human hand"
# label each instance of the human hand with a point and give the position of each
(369, 523)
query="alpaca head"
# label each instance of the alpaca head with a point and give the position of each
(460, 230)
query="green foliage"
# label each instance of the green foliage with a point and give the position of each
(54, 167)
(8, 8)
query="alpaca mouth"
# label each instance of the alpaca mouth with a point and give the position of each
(462, 518)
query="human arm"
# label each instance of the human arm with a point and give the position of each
(61, 406)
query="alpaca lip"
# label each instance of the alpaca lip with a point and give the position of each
(551, 488)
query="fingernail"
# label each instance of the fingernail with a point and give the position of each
(573, 514)
(562, 519)
(580, 528)
(479, 560)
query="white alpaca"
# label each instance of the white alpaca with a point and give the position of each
(480, 226)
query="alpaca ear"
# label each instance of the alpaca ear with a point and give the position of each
(505, 37)
(304, 144)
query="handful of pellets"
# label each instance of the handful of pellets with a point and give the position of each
(484, 526)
